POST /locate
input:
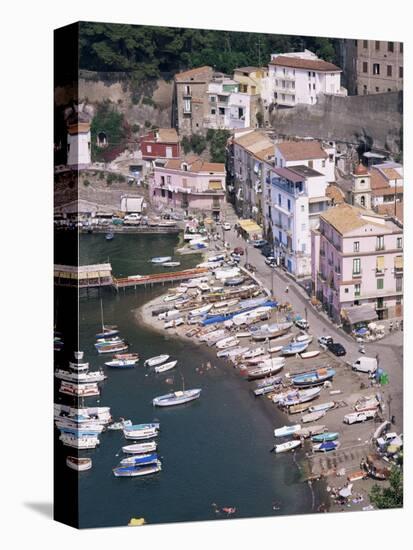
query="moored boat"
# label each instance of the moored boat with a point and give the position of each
(137, 460)
(112, 348)
(141, 431)
(134, 471)
(176, 398)
(82, 442)
(140, 448)
(161, 259)
(79, 390)
(153, 361)
(166, 366)
(287, 430)
(171, 264)
(122, 363)
(326, 436)
(287, 446)
(79, 464)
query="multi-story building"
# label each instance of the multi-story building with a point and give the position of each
(379, 66)
(357, 259)
(300, 77)
(190, 185)
(78, 140)
(190, 104)
(228, 107)
(251, 151)
(160, 144)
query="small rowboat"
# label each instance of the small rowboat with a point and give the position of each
(174, 323)
(253, 353)
(275, 349)
(166, 366)
(171, 264)
(153, 361)
(310, 354)
(122, 363)
(312, 416)
(140, 448)
(113, 348)
(327, 436)
(287, 446)
(126, 356)
(79, 464)
(133, 471)
(176, 398)
(161, 259)
(287, 430)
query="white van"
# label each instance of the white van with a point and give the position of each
(365, 364)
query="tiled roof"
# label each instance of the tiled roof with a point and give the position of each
(168, 135)
(263, 154)
(345, 218)
(391, 174)
(388, 210)
(310, 64)
(247, 69)
(79, 128)
(200, 72)
(195, 164)
(301, 150)
(255, 142)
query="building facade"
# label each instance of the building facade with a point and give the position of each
(358, 259)
(379, 66)
(78, 144)
(162, 143)
(191, 186)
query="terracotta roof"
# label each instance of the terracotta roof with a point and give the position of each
(377, 180)
(298, 63)
(255, 142)
(168, 135)
(392, 174)
(360, 170)
(334, 193)
(195, 164)
(248, 69)
(301, 150)
(200, 72)
(388, 190)
(388, 210)
(263, 154)
(345, 218)
(79, 128)
(380, 184)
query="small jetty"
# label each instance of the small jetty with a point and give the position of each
(158, 278)
(83, 276)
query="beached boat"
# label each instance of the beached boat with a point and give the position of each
(287, 446)
(141, 431)
(158, 360)
(274, 349)
(267, 332)
(244, 334)
(79, 390)
(326, 446)
(267, 369)
(171, 264)
(139, 460)
(212, 336)
(122, 363)
(326, 436)
(313, 378)
(170, 314)
(294, 348)
(174, 323)
(287, 430)
(265, 389)
(140, 448)
(312, 416)
(301, 338)
(297, 409)
(176, 398)
(83, 442)
(234, 281)
(72, 426)
(302, 396)
(322, 407)
(172, 297)
(200, 310)
(161, 259)
(232, 353)
(134, 471)
(251, 316)
(166, 366)
(310, 431)
(257, 360)
(79, 464)
(309, 354)
(256, 352)
(225, 343)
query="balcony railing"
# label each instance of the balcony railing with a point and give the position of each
(322, 276)
(380, 247)
(357, 274)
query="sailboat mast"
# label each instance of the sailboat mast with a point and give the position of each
(101, 314)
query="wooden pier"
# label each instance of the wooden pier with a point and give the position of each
(83, 276)
(158, 278)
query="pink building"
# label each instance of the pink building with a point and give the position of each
(357, 260)
(192, 185)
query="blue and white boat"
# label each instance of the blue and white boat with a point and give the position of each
(134, 471)
(108, 331)
(139, 460)
(141, 431)
(313, 378)
(326, 446)
(176, 398)
(327, 436)
(294, 348)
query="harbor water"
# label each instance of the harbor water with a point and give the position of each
(215, 451)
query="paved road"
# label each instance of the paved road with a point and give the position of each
(390, 349)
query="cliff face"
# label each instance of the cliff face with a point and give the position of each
(372, 119)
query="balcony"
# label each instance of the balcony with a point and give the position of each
(322, 276)
(380, 247)
(357, 274)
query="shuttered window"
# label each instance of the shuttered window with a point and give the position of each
(398, 262)
(380, 263)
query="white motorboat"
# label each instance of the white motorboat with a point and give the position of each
(176, 398)
(302, 396)
(265, 369)
(166, 366)
(274, 349)
(253, 353)
(171, 264)
(251, 316)
(225, 343)
(140, 448)
(200, 310)
(172, 297)
(267, 332)
(232, 353)
(174, 323)
(139, 460)
(307, 338)
(161, 259)
(134, 471)
(119, 425)
(309, 354)
(158, 360)
(287, 446)
(79, 464)
(322, 407)
(82, 442)
(287, 430)
(141, 431)
(98, 415)
(122, 363)
(76, 427)
(312, 416)
(80, 377)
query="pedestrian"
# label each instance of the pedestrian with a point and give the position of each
(286, 289)
(396, 325)
(391, 326)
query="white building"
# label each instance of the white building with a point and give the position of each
(227, 106)
(78, 144)
(300, 77)
(309, 153)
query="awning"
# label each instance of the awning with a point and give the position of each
(359, 314)
(214, 185)
(249, 226)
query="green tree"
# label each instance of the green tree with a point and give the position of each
(391, 496)
(217, 144)
(109, 121)
(198, 143)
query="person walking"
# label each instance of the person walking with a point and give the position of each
(286, 289)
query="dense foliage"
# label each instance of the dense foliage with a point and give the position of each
(111, 122)
(146, 52)
(215, 140)
(391, 496)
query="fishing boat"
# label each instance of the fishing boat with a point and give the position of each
(166, 366)
(267, 332)
(158, 360)
(171, 264)
(174, 323)
(326, 446)
(134, 471)
(122, 363)
(141, 431)
(200, 310)
(225, 343)
(287, 446)
(212, 336)
(172, 297)
(232, 353)
(253, 315)
(274, 349)
(327, 436)
(243, 334)
(161, 259)
(257, 360)
(125, 356)
(302, 396)
(312, 416)
(84, 442)
(79, 464)
(109, 236)
(114, 348)
(304, 338)
(140, 448)
(120, 425)
(139, 460)
(322, 406)
(253, 353)
(265, 389)
(287, 430)
(266, 369)
(103, 342)
(309, 354)
(297, 409)
(170, 314)
(176, 398)
(269, 380)
(310, 431)
(294, 348)
(313, 378)
(79, 390)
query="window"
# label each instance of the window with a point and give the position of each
(213, 111)
(168, 179)
(390, 46)
(303, 247)
(401, 47)
(314, 74)
(187, 90)
(213, 98)
(377, 45)
(356, 246)
(365, 67)
(309, 74)
(187, 105)
(380, 243)
(313, 86)
(389, 70)
(310, 163)
(363, 201)
(356, 266)
(346, 290)
(303, 210)
(399, 242)
(400, 72)
(377, 89)
(289, 205)
(380, 264)
(303, 227)
(365, 44)
(380, 284)
(279, 199)
(399, 284)
(149, 148)
(357, 289)
(323, 163)
(376, 68)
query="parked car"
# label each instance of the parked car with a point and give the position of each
(238, 250)
(303, 324)
(352, 418)
(336, 348)
(267, 250)
(323, 341)
(259, 243)
(271, 261)
(226, 226)
(133, 217)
